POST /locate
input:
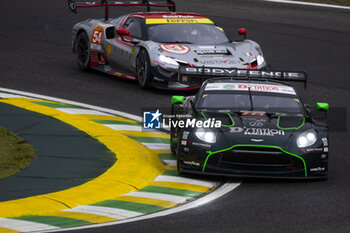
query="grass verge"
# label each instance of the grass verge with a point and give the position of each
(333, 2)
(15, 153)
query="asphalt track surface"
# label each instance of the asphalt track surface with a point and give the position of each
(35, 57)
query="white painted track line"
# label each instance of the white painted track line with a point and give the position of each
(159, 196)
(222, 190)
(184, 180)
(310, 4)
(105, 211)
(24, 226)
(6, 95)
(157, 146)
(78, 111)
(227, 187)
(124, 127)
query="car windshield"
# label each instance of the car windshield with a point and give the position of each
(241, 102)
(193, 33)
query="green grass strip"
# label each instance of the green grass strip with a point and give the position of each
(167, 156)
(115, 122)
(54, 220)
(54, 105)
(15, 153)
(171, 191)
(132, 206)
(151, 140)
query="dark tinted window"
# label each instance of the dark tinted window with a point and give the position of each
(239, 102)
(135, 27)
(196, 33)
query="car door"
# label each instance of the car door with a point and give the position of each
(126, 50)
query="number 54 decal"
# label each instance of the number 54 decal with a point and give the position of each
(96, 39)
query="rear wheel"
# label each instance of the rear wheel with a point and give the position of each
(144, 73)
(83, 51)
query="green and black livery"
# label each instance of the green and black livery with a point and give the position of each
(264, 132)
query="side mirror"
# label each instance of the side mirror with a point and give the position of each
(322, 106)
(177, 99)
(123, 32)
(243, 31)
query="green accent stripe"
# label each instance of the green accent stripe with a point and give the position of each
(296, 128)
(114, 122)
(171, 173)
(167, 156)
(229, 115)
(210, 153)
(54, 220)
(54, 105)
(151, 140)
(171, 191)
(132, 206)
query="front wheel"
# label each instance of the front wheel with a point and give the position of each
(144, 73)
(83, 51)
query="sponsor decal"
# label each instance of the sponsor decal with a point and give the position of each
(248, 54)
(96, 38)
(184, 142)
(107, 68)
(253, 113)
(211, 51)
(256, 140)
(236, 130)
(325, 141)
(218, 62)
(193, 163)
(257, 122)
(323, 156)
(325, 149)
(253, 87)
(175, 48)
(317, 169)
(178, 20)
(243, 73)
(313, 149)
(201, 144)
(178, 16)
(133, 50)
(186, 149)
(185, 135)
(263, 132)
(109, 49)
(151, 120)
(229, 86)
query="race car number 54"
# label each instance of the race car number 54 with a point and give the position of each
(97, 35)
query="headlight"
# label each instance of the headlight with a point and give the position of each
(307, 138)
(260, 59)
(167, 60)
(206, 135)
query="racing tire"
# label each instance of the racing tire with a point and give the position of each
(144, 73)
(83, 51)
(178, 165)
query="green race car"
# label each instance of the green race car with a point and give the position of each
(248, 127)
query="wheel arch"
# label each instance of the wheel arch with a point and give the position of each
(74, 42)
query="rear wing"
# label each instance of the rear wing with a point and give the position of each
(73, 5)
(295, 76)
